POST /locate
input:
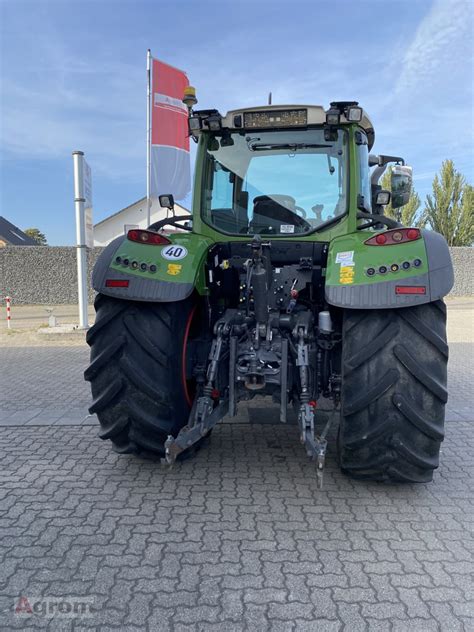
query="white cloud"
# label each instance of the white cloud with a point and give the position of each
(441, 42)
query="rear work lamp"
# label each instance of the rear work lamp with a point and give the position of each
(194, 123)
(214, 123)
(353, 114)
(383, 198)
(350, 109)
(333, 116)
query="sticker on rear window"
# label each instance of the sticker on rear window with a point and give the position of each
(287, 228)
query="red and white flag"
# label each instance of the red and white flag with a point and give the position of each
(169, 153)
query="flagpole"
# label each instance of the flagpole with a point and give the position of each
(148, 138)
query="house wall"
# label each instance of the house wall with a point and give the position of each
(47, 275)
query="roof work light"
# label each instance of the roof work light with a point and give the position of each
(333, 116)
(350, 109)
(194, 123)
(214, 122)
(383, 198)
(353, 114)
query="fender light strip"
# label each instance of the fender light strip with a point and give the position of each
(410, 289)
(116, 283)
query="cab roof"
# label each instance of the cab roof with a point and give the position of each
(316, 115)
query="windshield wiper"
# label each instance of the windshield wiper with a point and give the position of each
(287, 146)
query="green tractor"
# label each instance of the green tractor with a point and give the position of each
(287, 281)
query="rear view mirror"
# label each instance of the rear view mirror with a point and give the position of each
(401, 181)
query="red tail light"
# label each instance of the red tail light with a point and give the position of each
(116, 283)
(410, 289)
(413, 233)
(147, 237)
(395, 236)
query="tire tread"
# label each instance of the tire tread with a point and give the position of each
(135, 373)
(394, 367)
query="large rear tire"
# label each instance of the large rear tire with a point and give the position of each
(394, 391)
(136, 373)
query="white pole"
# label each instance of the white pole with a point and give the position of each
(9, 317)
(148, 138)
(79, 199)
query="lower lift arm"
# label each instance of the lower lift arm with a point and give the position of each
(204, 416)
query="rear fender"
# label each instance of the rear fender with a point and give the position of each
(179, 269)
(348, 283)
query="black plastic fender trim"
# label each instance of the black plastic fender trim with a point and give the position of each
(438, 282)
(379, 295)
(139, 289)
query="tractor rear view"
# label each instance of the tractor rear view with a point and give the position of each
(288, 282)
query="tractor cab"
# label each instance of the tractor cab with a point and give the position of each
(287, 171)
(276, 171)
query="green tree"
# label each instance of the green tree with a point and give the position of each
(408, 215)
(37, 235)
(450, 208)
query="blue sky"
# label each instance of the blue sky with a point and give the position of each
(73, 77)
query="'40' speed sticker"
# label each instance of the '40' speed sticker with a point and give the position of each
(174, 253)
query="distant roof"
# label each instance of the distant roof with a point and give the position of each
(13, 235)
(143, 199)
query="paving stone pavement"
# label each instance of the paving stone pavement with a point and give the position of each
(238, 538)
(45, 383)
